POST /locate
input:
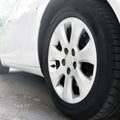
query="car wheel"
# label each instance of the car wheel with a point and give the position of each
(81, 60)
(3, 70)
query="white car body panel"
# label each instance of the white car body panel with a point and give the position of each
(115, 4)
(20, 50)
(19, 37)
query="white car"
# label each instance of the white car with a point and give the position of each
(75, 45)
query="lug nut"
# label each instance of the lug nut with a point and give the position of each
(66, 51)
(73, 52)
(74, 65)
(68, 71)
(63, 62)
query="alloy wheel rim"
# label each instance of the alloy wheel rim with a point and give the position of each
(72, 60)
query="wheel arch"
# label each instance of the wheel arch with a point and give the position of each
(115, 5)
(50, 12)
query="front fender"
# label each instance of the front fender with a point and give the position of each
(115, 4)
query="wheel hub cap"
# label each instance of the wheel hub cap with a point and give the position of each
(72, 60)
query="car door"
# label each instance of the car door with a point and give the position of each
(6, 10)
(20, 35)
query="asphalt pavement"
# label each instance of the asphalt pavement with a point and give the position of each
(24, 96)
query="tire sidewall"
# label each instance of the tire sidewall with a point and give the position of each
(97, 95)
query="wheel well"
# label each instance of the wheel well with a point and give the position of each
(50, 12)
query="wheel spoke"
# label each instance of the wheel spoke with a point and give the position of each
(61, 35)
(87, 54)
(55, 54)
(83, 82)
(56, 75)
(77, 29)
(67, 92)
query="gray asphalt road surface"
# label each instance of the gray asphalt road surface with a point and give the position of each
(24, 96)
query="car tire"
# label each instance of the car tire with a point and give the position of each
(3, 70)
(103, 98)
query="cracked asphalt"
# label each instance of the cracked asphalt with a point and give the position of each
(24, 96)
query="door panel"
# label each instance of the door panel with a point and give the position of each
(21, 34)
(19, 40)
